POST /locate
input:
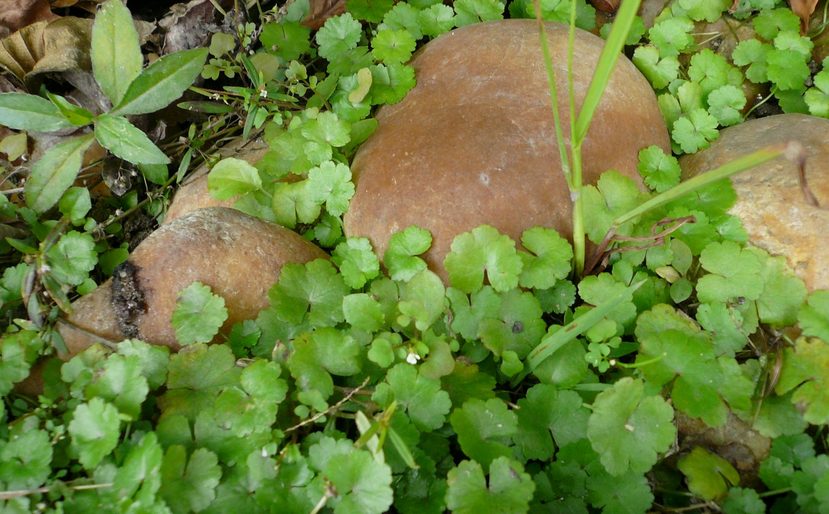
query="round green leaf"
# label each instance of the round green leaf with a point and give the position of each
(94, 429)
(231, 177)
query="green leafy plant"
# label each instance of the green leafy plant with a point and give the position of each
(515, 387)
(117, 64)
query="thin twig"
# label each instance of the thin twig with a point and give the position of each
(8, 495)
(330, 409)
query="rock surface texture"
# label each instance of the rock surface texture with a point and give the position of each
(474, 141)
(237, 255)
(770, 202)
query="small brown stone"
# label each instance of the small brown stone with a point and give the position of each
(770, 201)
(237, 255)
(474, 143)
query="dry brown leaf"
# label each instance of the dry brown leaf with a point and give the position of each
(321, 10)
(16, 14)
(606, 5)
(69, 3)
(47, 47)
(189, 25)
(803, 9)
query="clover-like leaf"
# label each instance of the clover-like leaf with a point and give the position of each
(287, 39)
(484, 429)
(695, 131)
(72, 258)
(340, 33)
(629, 429)
(189, 484)
(199, 314)
(813, 317)
(483, 251)
(325, 352)
(197, 375)
(393, 46)
(733, 273)
(661, 171)
(551, 259)
(120, 382)
(25, 460)
(314, 289)
(548, 417)
(357, 261)
(660, 71)
(510, 488)
(362, 483)
(421, 300)
(401, 256)
(94, 429)
(804, 372)
(330, 184)
(421, 397)
(516, 327)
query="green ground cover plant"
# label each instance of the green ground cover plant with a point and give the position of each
(519, 387)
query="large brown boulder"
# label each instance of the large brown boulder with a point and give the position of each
(770, 201)
(237, 255)
(474, 141)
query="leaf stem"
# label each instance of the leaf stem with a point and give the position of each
(551, 79)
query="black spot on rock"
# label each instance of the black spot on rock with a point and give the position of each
(127, 298)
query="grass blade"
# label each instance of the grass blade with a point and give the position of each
(552, 342)
(607, 61)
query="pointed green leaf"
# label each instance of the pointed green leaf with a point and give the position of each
(52, 175)
(29, 112)
(124, 140)
(162, 82)
(116, 53)
(77, 116)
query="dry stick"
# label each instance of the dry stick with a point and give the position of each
(601, 253)
(330, 409)
(8, 495)
(804, 185)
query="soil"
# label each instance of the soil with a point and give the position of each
(127, 298)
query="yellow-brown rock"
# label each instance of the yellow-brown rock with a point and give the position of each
(474, 143)
(770, 201)
(237, 255)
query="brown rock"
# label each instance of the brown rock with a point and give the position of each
(771, 203)
(193, 193)
(237, 255)
(474, 143)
